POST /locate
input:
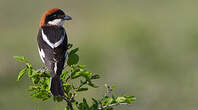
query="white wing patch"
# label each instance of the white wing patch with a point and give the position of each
(52, 45)
(42, 54)
(46, 40)
(55, 67)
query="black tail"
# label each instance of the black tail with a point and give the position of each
(57, 87)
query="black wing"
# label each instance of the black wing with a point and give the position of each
(54, 58)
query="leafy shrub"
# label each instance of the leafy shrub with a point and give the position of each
(73, 72)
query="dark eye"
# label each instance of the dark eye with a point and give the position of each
(54, 15)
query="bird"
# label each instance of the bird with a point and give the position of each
(52, 46)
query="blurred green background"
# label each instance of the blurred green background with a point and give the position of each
(147, 48)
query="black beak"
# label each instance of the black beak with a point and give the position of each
(67, 18)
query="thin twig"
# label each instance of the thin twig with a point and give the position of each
(67, 79)
(69, 46)
(82, 84)
(69, 102)
(108, 91)
(111, 105)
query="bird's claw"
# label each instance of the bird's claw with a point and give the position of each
(42, 70)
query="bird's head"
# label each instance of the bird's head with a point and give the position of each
(54, 16)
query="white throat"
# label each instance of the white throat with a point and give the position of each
(58, 22)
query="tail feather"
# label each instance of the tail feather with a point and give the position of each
(56, 86)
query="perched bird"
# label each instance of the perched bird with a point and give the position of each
(52, 46)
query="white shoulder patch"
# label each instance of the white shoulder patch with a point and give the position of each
(46, 40)
(55, 67)
(52, 45)
(42, 54)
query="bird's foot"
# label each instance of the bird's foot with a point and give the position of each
(42, 70)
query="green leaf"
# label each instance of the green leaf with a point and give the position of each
(130, 99)
(72, 59)
(75, 74)
(107, 86)
(96, 76)
(92, 85)
(28, 65)
(21, 73)
(73, 51)
(57, 99)
(114, 98)
(85, 104)
(109, 101)
(133, 98)
(82, 89)
(34, 88)
(67, 87)
(29, 71)
(20, 58)
(66, 108)
(113, 87)
(64, 74)
(95, 104)
(86, 74)
(36, 80)
(120, 99)
(95, 101)
(82, 66)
